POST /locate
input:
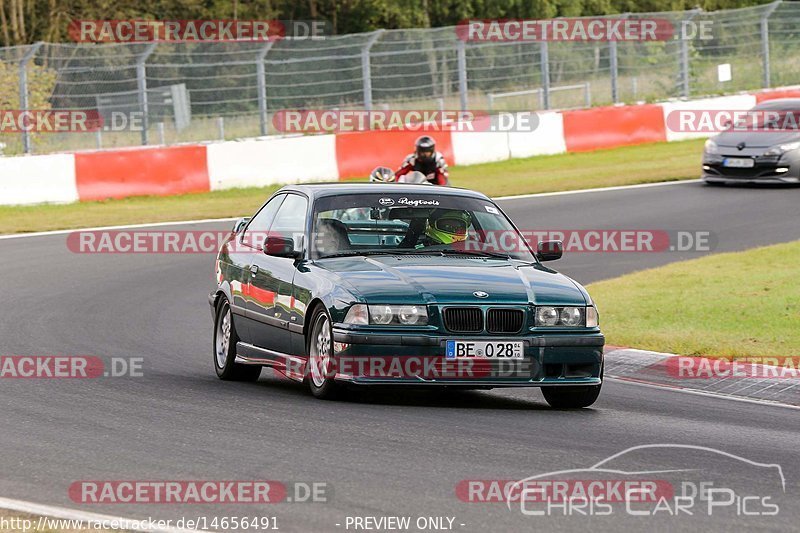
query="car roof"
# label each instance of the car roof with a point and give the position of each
(317, 190)
(781, 104)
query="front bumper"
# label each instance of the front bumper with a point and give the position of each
(764, 170)
(419, 359)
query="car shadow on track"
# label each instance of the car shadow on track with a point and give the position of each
(501, 399)
(734, 185)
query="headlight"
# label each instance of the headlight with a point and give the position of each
(546, 316)
(411, 314)
(381, 314)
(711, 147)
(565, 317)
(781, 149)
(405, 315)
(572, 316)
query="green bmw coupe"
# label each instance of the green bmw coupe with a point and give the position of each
(357, 285)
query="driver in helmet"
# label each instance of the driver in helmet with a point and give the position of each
(427, 160)
(382, 175)
(443, 226)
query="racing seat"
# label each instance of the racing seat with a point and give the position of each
(332, 236)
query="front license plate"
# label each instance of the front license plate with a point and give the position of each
(484, 349)
(738, 162)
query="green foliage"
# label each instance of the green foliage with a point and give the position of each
(48, 20)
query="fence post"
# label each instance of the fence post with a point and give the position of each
(366, 69)
(141, 83)
(767, 80)
(23, 91)
(261, 82)
(613, 66)
(544, 58)
(684, 65)
(461, 53)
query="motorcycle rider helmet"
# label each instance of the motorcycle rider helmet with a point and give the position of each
(425, 148)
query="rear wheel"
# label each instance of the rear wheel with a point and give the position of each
(225, 339)
(319, 369)
(571, 397)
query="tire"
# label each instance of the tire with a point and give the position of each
(571, 397)
(225, 339)
(320, 354)
(713, 183)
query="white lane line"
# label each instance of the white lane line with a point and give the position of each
(675, 388)
(598, 189)
(64, 513)
(106, 228)
(212, 220)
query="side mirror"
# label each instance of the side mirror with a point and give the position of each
(281, 246)
(549, 250)
(240, 224)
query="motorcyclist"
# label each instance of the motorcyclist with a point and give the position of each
(427, 160)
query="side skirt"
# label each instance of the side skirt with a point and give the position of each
(291, 366)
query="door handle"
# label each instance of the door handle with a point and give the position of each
(254, 270)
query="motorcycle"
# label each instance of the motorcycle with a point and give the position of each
(385, 175)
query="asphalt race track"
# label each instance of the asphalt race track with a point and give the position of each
(381, 453)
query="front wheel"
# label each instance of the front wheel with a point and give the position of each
(320, 368)
(571, 397)
(225, 339)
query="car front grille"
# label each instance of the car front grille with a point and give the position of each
(463, 319)
(504, 320)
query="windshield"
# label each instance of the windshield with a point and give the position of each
(370, 224)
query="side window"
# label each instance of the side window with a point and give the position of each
(291, 217)
(256, 230)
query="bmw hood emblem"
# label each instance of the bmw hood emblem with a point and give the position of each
(480, 294)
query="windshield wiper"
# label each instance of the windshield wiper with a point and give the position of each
(356, 253)
(476, 253)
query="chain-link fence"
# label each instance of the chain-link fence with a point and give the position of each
(205, 91)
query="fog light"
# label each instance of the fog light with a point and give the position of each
(782, 169)
(340, 346)
(706, 167)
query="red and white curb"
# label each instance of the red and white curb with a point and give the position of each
(659, 369)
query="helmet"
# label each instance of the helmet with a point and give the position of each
(382, 175)
(448, 226)
(425, 148)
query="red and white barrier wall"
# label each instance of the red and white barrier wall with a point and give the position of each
(182, 169)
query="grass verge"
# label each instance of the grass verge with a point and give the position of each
(603, 168)
(734, 304)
